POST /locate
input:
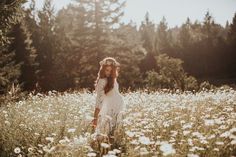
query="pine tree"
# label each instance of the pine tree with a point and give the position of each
(102, 16)
(232, 45)
(162, 43)
(30, 20)
(207, 29)
(185, 38)
(45, 46)
(107, 13)
(209, 45)
(66, 60)
(92, 35)
(147, 31)
(232, 31)
(24, 55)
(10, 13)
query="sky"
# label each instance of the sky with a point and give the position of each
(175, 11)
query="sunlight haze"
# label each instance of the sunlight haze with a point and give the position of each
(175, 11)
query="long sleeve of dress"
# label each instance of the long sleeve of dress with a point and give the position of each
(100, 92)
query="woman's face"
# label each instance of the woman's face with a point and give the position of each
(108, 71)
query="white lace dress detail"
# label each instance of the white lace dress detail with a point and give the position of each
(111, 107)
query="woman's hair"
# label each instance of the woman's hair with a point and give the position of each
(108, 61)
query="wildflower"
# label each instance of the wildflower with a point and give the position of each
(71, 130)
(111, 152)
(144, 151)
(40, 145)
(233, 142)
(223, 127)
(211, 136)
(37, 134)
(144, 140)
(167, 148)
(81, 140)
(188, 125)
(192, 155)
(196, 148)
(17, 150)
(220, 143)
(185, 132)
(174, 133)
(166, 124)
(158, 143)
(105, 145)
(130, 134)
(63, 141)
(225, 134)
(51, 139)
(30, 150)
(134, 142)
(7, 123)
(209, 122)
(117, 151)
(190, 142)
(232, 130)
(40, 151)
(91, 154)
(109, 155)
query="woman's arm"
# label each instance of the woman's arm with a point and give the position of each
(97, 110)
(99, 98)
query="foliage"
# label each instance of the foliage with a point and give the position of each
(61, 50)
(171, 75)
(25, 55)
(10, 14)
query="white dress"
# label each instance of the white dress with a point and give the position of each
(111, 107)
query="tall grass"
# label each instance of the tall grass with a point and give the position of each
(156, 124)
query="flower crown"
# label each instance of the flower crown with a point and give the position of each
(108, 62)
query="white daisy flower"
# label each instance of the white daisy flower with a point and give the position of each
(17, 150)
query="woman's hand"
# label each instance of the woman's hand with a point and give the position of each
(94, 123)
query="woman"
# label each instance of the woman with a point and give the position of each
(109, 102)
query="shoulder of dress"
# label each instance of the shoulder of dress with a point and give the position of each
(103, 80)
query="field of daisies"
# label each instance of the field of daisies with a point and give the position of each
(155, 124)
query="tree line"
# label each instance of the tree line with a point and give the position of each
(59, 50)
